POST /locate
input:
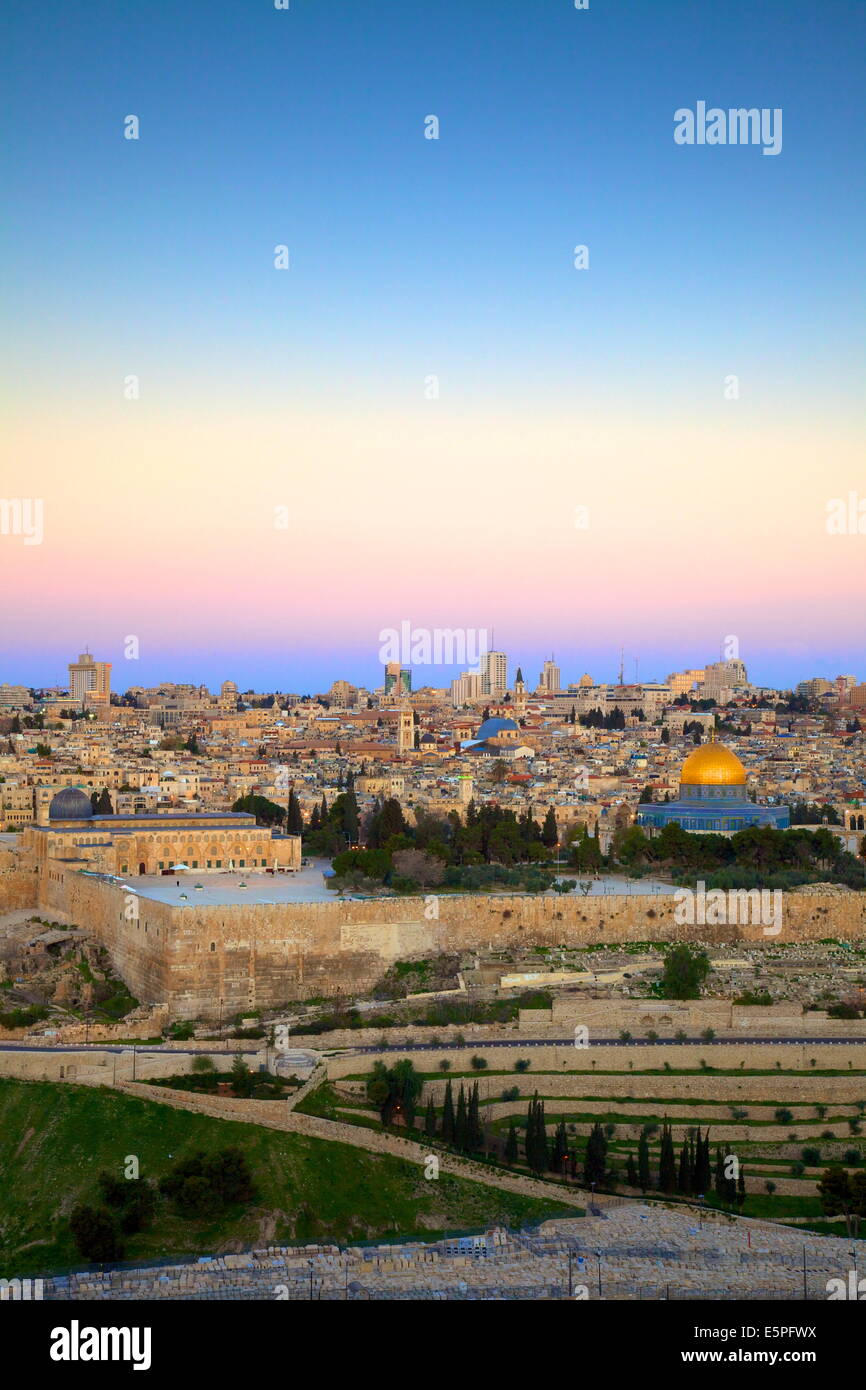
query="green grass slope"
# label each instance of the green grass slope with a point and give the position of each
(54, 1139)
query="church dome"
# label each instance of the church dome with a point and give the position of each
(70, 804)
(491, 727)
(713, 765)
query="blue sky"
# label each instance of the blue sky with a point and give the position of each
(305, 127)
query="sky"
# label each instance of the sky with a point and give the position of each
(432, 415)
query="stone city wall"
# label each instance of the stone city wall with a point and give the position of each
(19, 881)
(200, 959)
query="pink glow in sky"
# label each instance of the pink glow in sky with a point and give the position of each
(168, 527)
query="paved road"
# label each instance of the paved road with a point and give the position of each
(568, 1041)
(449, 1045)
(114, 1047)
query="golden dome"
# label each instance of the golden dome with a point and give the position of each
(713, 765)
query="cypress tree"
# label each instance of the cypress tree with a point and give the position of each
(693, 1162)
(631, 1172)
(720, 1174)
(474, 1132)
(448, 1115)
(560, 1148)
(741, 1189)
(683, 1179)
(667, 1161)
(595, 1158)
(536, 1138)
(460, 1132)
(294, 817)
(704, 1177)
(430, 1120)
(511, 1145)
(549, 832)
(643, 1162)
(541, 1136)
(531, 1142)
(351, 820)
(730, 1183)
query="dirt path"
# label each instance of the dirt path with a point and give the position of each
(273, 1115)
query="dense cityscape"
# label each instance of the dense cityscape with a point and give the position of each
(432, 681)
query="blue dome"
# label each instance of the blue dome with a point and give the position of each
(494, 726)
(70, 804)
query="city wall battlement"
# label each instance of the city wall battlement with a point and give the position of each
(201, 959)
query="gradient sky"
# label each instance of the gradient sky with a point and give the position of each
(305, 388)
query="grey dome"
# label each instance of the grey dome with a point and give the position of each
(70, 804)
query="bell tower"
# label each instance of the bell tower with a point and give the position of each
(405, 730)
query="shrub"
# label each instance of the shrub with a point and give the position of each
(843, 1010)
(139, 1207)
(203, 1184)
(522, 1064)
(23, 1018)
(811, 1157)
(478, 1063)
(242, 1078)
(95, 1232)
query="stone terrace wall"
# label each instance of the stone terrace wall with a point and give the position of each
(722, 1057)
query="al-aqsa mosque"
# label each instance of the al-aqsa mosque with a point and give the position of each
(713, 796)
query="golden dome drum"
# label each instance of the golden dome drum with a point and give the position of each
(713, 765)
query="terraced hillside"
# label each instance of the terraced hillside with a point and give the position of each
(786, 1126)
